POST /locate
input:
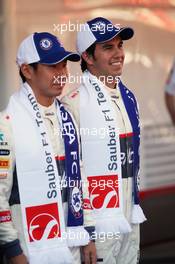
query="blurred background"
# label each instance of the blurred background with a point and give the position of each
(149, 57)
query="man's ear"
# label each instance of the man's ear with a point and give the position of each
(26, 71)
(88, 58)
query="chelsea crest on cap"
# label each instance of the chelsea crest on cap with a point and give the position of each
(43, 48)
(100, 30)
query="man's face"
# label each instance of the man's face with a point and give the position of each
(108, 58)
(48, 81)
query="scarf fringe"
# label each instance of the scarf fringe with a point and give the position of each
(119, 224)
(77, 236)
(137, 215)
(58, 255)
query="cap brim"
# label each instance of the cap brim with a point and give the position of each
(55, 58)
(125, 33)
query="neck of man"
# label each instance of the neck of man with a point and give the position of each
(109, 81)
(45, 101)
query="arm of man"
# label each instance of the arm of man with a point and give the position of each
(9, 241)
(170, 93)
(89, 253)
(21, 259)
(170, 104)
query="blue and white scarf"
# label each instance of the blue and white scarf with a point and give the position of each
(46, 236)
(73, 179)
(102, 156)
(133, 114)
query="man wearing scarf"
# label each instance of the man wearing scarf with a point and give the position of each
(41, 189)
(108, 119)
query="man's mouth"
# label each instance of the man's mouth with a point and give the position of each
(117, 63)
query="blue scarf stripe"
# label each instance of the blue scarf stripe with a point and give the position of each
(132, 110)
(72, 170)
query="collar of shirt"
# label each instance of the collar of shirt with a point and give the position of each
(114, 92)
(48, 111)
(52, 113)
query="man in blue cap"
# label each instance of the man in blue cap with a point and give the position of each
(107, 114)
(41, 215)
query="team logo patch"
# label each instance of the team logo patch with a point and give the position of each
(74, 94)
(86, 204)
(104, 191)
(5, 217)
(4, 163)
(4, 152)
(2, 142)
(3, 175)
(46, 44)
(43, 222)
(1, 137)
(99, 26)
(76, 204)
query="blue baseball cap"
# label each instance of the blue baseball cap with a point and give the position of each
(100, 30)
(43, 48)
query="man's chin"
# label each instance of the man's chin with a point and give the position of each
(59, 92)
(58, 87)
(118, 73)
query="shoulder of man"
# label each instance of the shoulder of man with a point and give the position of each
(71, 100)
(130, 95)
(10, 243)
(5, 120)
(127, 90)
(71, 97)
(71, 103)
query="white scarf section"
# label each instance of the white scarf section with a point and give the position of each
(101, 155)
(39, 183)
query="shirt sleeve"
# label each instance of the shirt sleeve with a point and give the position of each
(8, 234)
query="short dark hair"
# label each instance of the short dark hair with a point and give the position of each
(33, 65)
(90, 51)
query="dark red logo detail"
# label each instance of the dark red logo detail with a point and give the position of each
(43, 222)
(103, 191)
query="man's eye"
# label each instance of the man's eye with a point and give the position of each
(53, 65)
(121, 44)
(107, 47)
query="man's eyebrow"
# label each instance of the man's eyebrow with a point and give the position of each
(107, 45)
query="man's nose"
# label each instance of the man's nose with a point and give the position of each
(118, 51)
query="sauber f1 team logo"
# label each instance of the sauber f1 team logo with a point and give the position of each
(43, 222)
(104, 191)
